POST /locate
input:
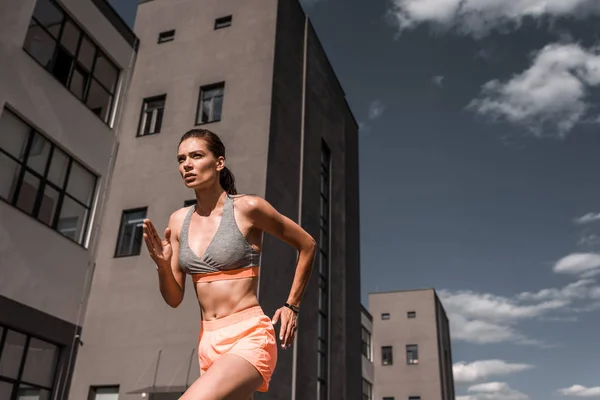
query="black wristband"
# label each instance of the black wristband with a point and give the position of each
(295, 309)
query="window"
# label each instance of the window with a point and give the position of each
(166, 36)
(104, 393)
(40, 179)
(412, 354)
(386, 355)
(190, 202)
(388, 398)
(414, 398)
(131, 231)
(56, 42)
(411, 314)
(27, 366)
(223, 22)
(367, 389)
(323, 270)
(151, 116)
(366, 343)
(210, 103)
(385, 316)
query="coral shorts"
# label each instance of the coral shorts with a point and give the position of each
(248, 334)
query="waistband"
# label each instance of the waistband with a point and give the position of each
(239, 273)
(234, 318)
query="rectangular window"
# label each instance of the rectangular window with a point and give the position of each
(385, 316)
(104, 393)
(210, 103)
(27, 366)
(131, 231)
(60, 46)
(388, 398)
(366, 343)
(412, 354)
(166, 36)
(411, 314)
(414, 398)
(367, 389)
(386, 355)
(151, 116)
(223, 22)
(191, 202)
(323, 271)
(40, 179)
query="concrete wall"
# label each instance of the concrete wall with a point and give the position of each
(127, 321)
(52, 278)
(401, 380)
(444, 352)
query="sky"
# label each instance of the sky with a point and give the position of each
(479, 176)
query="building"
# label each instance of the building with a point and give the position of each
(368, 371)
(64, 70)
(411, 338)
(255, 73)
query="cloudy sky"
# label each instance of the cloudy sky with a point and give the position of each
(480, 176)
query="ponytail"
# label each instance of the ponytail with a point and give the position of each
(227, 181)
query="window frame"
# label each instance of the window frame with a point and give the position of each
(201, 92)
(123, 214)
(411, 314)
(166, 36)
(385, 316)
(145, 102)
(366, 344)
(75, 62)
(92, 390)
(391, 358)
(412, 349)
(369, 386)
(44, 181)
(223, 22)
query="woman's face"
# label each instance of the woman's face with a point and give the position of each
(198, 167)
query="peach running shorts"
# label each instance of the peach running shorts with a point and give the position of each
(248, 334)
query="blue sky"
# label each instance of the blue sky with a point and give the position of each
(479, 144)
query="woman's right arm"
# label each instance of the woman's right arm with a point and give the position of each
(165, 253)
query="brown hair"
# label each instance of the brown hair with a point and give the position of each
(215, 146)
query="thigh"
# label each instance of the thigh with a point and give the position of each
(230, 378)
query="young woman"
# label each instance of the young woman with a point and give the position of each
(218, 242)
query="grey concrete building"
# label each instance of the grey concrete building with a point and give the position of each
(368, 370)
(412, 349)
(255, 73)
(64, 70)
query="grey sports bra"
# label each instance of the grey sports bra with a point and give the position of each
(228, 250)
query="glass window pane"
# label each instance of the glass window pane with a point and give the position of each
(40, 363)
(39, 44)
(12, 353)
(70, 37)
(48, 206)
(81, 184)
(98, 100)
(131, 233)
(14, 134)
(58, 167)
(5, 390)
(38, 154)
(26, 392)
(106, 393)
(79, 82)
(9, 174)
(28, 193)
(48, 16)
(106, 72)
(72, 220)
(61, 69)
(87, 52)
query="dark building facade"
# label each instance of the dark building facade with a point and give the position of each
(64, 71)
(255, 73)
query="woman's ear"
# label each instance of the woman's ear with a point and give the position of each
(220, 163)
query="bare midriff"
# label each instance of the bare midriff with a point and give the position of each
(224, 297)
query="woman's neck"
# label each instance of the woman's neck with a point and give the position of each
(207, 200)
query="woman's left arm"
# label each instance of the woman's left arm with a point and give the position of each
(265, 217)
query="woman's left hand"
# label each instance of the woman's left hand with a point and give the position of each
(287, 331)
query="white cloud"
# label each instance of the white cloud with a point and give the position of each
(479, 17)
(549, 98)
(480, 370)
(376, 109)
(438, 80)
(581, 391)
(576, 290)
(493, 391)
(587, 218)
(584, 264)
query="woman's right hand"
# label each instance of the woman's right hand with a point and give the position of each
(160, 250)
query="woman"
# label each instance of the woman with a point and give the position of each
(218, 243)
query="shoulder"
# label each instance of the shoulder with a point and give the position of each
(177, 217)
(252, 206)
